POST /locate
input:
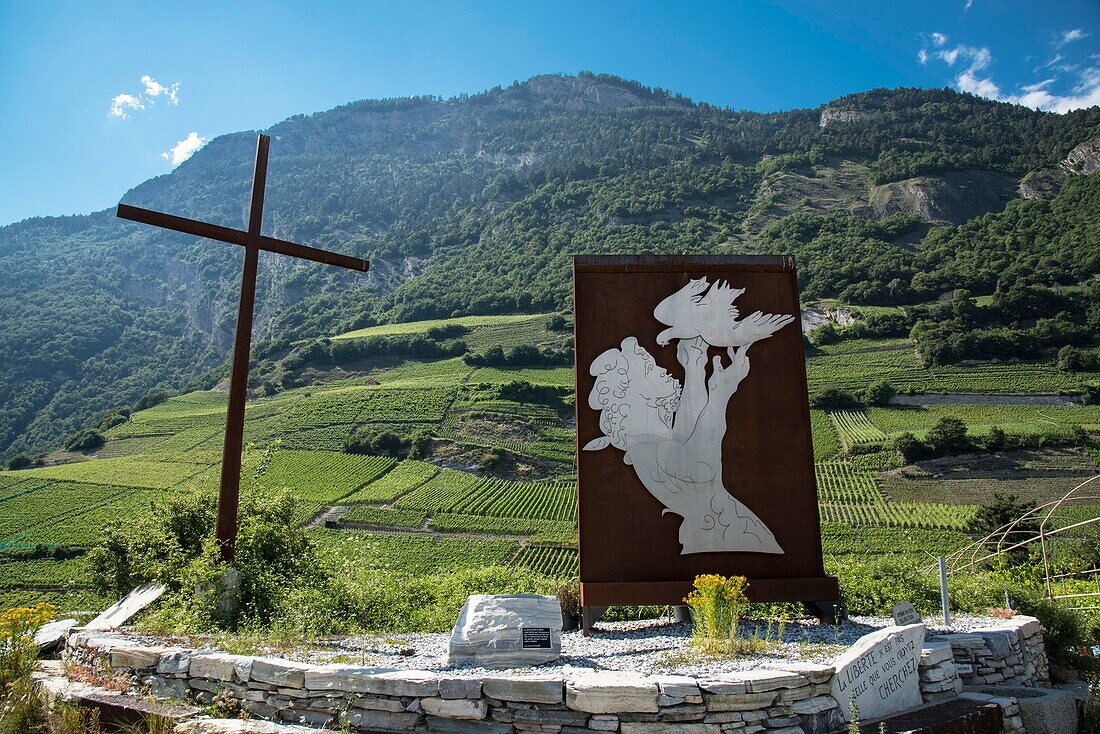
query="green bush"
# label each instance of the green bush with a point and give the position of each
(1063, 631)
(283, 578)
(834, 399)
(370, 440)
(22, 461)
(880, 393)
(87, 440)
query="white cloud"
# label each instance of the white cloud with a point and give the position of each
(1073, 35)
(184, 149)
(1038, 86)
(153, 88)
(121, 104)
(970, 82)
(975, 79)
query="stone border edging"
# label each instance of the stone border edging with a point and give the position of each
(793, 699)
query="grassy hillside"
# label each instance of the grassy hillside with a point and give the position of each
(456, 508)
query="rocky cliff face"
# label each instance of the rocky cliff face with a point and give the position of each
(830, 116)
(950, 198)
(1085, 158)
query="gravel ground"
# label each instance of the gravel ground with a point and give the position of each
(649, 647)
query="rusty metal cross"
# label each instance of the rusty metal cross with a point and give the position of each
(253, 242)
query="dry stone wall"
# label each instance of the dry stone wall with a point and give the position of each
(1011, 653)
(794, 700)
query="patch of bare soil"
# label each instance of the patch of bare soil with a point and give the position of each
(466, 457)
(1036, 476)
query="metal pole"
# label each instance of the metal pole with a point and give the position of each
(229, 490)
(943, 592)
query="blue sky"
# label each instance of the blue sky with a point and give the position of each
(97, 97)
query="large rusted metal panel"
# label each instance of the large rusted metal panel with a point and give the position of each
(631, 549)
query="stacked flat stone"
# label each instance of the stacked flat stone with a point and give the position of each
(795, 700)
(939, 680)
(1011, 653)
(1010, 710)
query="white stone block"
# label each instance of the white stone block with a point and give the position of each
(455, 708)
(507, 631)
(611, 692)
(881, 672)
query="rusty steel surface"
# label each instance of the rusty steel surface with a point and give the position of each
(630, 553)
(253, 241)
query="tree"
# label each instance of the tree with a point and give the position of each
(834, 399)
(1002, 510)
(87, 440)
(948, 436)
(379, 443)
(910, 447)
(880, 393)
(20, 461)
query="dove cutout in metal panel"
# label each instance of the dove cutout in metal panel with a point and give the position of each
(672, 434)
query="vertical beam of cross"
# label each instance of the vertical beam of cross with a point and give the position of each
(229, 489)
(252, 241)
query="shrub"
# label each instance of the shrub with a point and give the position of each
(379, 443)
(717, 604)
(948, 436)
(420, 445)
(87, 440)
(557, 322)
(880, 393)
(1003, 509)
(1063, 631)
(491, 460)
(834, 399)
(910, 447)
(569, 596)
(284, 581)
(22, 461)
(151, 399)
(448, 331)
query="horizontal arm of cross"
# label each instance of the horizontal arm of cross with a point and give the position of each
(237, 237)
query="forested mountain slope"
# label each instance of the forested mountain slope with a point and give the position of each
(475, 205)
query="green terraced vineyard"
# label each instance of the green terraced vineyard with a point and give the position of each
(854, 371)
(34, 513)
(406, 477)
(474, 323)
(464, 494)
(364, 554)
(545, 531)
(128, 471)
(43, 573)
(901, 515)
(855, 428)
(443, 373)
(553, 562)
(840, 482)
(1016, 419)
(824, 435)
(324, 476)
(866, 507)
(385, 516)
(553, 376)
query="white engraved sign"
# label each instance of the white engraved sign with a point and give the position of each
(672, 435)
(880, 672)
